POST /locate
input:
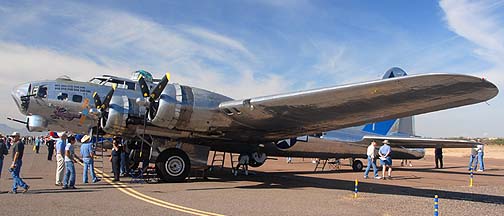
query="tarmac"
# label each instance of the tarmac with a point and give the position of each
(276, 188)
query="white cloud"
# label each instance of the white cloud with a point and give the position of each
(481, 23)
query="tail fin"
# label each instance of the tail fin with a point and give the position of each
(402, 126)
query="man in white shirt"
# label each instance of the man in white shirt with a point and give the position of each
(371, 161)
(60, 158)
(69, 180)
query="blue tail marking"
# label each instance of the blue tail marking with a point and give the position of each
(382, 128)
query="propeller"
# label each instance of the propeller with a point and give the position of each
(156, 92)
(102, 106)
(151, 97)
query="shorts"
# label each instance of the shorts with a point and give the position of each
(386, 162)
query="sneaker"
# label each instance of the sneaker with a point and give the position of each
(64, 187)
(26, 189)
(96, 180)
(365, 177)
(58, 184)
(72, 187)
(13, 192)
(480, 170)
(377, 177)
(85, 182)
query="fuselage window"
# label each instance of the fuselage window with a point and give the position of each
(77, 98)
(62, 96)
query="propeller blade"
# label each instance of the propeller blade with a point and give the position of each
(144, 87)
(106, 102)
(160, 87)
(97, 100)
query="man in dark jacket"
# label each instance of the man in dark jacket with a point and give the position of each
(3, 152)
(50, 148)
(438, 154)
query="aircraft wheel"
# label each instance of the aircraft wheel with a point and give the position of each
(357, 165)
(257, 159)
(173, 165)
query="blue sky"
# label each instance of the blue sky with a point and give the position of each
(255, 48)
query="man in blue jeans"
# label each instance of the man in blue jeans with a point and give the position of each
(124, 160)
(481, 153)
(69, 180)
(17, 162)
(371, 161)
(86, 151)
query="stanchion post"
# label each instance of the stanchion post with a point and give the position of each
(356, 190)
(471, 177)
(436, 205)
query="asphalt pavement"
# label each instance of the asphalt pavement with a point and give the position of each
(277, 188)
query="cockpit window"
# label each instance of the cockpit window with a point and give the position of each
(40, 91)
(109, 81)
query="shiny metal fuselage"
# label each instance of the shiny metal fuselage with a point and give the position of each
(191, 115)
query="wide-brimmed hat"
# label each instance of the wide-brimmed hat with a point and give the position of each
(63, 134)
(385, 142)
(85, 139)
(16, 134)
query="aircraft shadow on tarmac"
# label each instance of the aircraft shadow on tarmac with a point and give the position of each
(58, 191)
(292, 180)
(446, 171)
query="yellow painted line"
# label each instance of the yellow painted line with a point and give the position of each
(161, 203)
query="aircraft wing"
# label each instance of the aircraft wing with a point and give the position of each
(313, 111)
(416, 142)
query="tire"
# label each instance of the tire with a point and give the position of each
(173, 165)
(357, 166)
(255, 164)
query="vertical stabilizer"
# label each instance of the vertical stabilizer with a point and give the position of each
(403, 126)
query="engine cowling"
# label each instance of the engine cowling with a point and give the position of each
(115, 122)
(36, 123)
(166, 111)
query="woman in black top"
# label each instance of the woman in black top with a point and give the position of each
(116, 158)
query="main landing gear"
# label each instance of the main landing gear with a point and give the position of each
(357, 165)
(173, 165)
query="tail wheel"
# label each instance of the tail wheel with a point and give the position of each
(173, 165)
(357, 165)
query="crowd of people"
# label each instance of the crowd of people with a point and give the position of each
(384, 153)
(62, 145)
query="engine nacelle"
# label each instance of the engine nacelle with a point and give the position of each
(188, 108)
(115, 122)
(36, 123)
(168, 107)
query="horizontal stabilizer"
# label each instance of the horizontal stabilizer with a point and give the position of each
(415, 142)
